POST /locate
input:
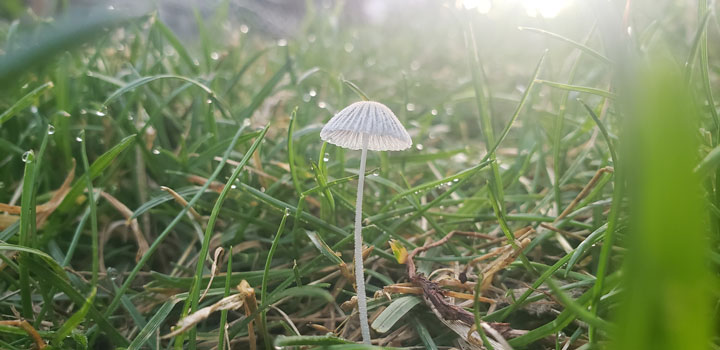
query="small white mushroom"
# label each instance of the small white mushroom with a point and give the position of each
(365, 125)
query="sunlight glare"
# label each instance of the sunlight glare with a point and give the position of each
(544, 8)
(482, 6)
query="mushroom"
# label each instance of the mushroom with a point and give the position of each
(365, 125)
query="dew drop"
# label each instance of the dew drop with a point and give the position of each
(33, 109)
(156, 151)
(419, 146)
(246, 122)
(282, 43)
(349, 47)
(83, 111)
(50, 129)
(313, 93)
(99, 114)
(307, 98)
(2, 184)
(376, 173)
(233, 186)
(322, 104)
(434, 112)
(326, 159)
(244, 28)
(78, 139)
(26, 156)
(208, 101)
(214, 56)
(63, 114)
(456, 180)
(410, 107)
(414, 65)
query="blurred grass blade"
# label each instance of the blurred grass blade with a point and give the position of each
(667, 304)
(318, 340)
(145, 80)
(585, 89)
(695, 48)
(175, 42)
(574, 43)
(65, 33)
(24, 102)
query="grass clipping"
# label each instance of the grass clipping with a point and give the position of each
(244, 298)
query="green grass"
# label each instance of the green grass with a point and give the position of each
(511, 116)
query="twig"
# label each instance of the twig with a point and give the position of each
(29, 329)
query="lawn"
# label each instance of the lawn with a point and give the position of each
(164, 183)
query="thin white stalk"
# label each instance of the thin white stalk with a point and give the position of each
(359, 271)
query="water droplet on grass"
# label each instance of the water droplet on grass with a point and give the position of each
(50, 129)
(244, 29)
(26, 156)
(156, 151)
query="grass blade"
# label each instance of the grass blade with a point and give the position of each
(210, 228)
(27, 218)
(24, 102)
(394, 312)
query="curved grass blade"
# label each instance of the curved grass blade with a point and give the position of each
(578, 88)
(24, 102)
(578, 45)
(97, 167)
(145, 80)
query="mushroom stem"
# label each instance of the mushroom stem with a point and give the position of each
(359, 272)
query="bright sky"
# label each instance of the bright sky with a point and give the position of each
(534, 8)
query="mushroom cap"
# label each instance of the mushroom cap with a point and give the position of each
(347, 127)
